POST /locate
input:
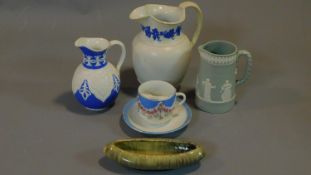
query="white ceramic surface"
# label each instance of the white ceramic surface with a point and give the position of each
(100, 80)
(161, 51)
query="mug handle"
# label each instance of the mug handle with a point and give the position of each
(248, 71)
(199, 19)
(123, 52)
(180, 94)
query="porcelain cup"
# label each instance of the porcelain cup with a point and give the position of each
(156, 101)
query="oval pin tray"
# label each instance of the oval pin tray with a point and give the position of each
(154, 153)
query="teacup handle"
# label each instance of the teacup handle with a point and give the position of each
(249, 65)
(180, 94)
(123, 52)
(199, 19)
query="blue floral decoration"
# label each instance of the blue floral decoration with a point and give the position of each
(155, 34)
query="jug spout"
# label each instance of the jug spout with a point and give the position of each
(139, 13)
(93, 44)
(163, 14)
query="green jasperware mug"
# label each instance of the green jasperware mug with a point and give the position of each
(216, 80)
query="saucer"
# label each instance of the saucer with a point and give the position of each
(180, 120)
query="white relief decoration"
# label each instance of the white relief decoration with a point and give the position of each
(85, 90)
(220, 60)
(88, 60)
(226, 91)
(207, 89)
(98, 61)
(116, 83)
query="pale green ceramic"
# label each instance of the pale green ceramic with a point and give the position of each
(154, 153)
(216, 80)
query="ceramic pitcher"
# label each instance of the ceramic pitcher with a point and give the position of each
(216, 80)
(161, 51)
(96, 82)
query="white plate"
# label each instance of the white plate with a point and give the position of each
(180, 120)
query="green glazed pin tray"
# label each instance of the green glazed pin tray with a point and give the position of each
(154, 153)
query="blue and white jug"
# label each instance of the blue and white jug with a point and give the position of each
(96, 82)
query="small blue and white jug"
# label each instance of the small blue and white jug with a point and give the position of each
(96, 82)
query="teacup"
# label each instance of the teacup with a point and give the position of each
(156, 101)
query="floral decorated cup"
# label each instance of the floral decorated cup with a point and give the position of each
(156, 101)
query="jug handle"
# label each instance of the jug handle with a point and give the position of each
(249, 64)
(199, 19)
(123, 52)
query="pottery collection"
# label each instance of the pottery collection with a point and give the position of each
(161, 55)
